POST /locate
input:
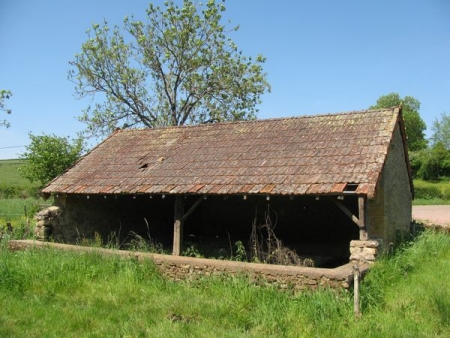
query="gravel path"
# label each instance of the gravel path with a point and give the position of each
(432, 214)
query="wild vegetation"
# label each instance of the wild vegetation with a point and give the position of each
(432, 192)
(54, 293)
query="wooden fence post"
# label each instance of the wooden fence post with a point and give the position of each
(356, 303)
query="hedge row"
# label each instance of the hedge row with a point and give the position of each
(10, 191)
(429, 190)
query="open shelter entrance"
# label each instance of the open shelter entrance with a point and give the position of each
(316, 227)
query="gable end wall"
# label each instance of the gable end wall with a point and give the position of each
(390, 212)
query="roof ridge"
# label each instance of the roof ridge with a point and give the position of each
(188, 126)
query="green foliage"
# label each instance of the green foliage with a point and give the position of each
(179, 67)
(428, 192)
(48, 156)
(431, 163)
(441, 131)
(428, 251)
(139, 243)
(4, 95)
(52, 293)
(192, 251)
(445, 192)
(415, 126)
(440, 299)
(241, 252)
(432, 190)
(17, 227)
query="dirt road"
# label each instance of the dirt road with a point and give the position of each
(432, 214)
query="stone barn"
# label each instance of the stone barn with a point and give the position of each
(330, 185)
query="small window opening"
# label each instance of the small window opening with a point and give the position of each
(351, 187)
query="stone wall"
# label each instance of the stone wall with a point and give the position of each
(390, 212)
(47, 224)
(182, 268)
(365, 251)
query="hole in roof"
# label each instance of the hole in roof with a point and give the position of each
(142, 167)
(351, 187)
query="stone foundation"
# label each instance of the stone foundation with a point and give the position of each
(365, 251)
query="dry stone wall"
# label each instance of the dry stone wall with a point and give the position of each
(365, 251)
(186, 268)
(47, 224)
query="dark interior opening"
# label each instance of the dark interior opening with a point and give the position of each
(312, 226)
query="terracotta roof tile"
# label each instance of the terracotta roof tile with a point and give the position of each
(302, 155)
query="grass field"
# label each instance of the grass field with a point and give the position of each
(12, 184)
(12, 208)
(10, 175)
(48, 293)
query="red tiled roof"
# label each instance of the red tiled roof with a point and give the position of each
(302, 155)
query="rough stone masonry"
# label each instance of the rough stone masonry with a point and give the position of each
(47, 224)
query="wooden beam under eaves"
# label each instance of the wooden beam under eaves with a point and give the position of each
(360, 221)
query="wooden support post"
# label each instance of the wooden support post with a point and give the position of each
(362, 219)
(178, 226)
(178, 222)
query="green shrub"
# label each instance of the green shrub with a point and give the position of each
(17, 191)
(18, 228)
(445, 192)
(426, 190)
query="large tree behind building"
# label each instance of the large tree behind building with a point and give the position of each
(415, 126)
(178, 67)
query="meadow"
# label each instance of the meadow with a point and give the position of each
(44, 292)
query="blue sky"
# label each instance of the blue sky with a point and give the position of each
(323, 56)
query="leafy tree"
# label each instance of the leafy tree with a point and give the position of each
(48, 156)
(176, 68)
(431, 163)
(4, 95)
(415, 126)
(441, 131)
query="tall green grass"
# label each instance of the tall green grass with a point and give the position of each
(13, 208)
(52, 293)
